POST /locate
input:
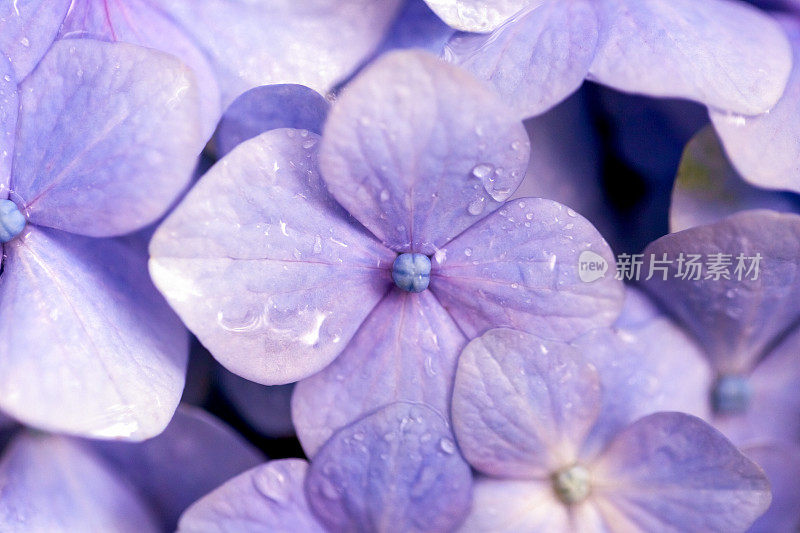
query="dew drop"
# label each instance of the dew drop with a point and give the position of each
(384, 196)
(447, 446)
(483, 171)
(476, 206)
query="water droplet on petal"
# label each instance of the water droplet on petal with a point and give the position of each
(447, 446)
(483, 171)
(476, 206)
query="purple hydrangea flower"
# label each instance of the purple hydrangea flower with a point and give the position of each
(746, 329)
(292, 264)
(235, 45)
(394, 470)
(96, 142)
(541, 423)
(722, 53)
(56, 483)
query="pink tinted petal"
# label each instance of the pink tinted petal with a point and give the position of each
(269, 108)
(522, 406)
(733, 320)
(707, 188)
(510, 506)
(766, 148)
(9, 103)
(537, 58)
(405, 350)
(52, 483)
(269, 497)
(194, 454)
(477, 15)
(142, 22)
(110, 354)
(394, 470)
(674, 472)
(781, 463)
(265, 409)
(518, 268)
(315, 43)
(27, 29)
(275, 278)
(651, 367)
(107, 137)
(418, 151)
(724, 54)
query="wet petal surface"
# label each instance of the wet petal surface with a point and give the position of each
(519, 268)
(405, 350)
(27, 29)
(110, 354)
(395, 470)
(107, 137)
(276, 278)
(521, 405)
(418, 151)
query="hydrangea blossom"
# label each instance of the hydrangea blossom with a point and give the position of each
(289, 270)
(394, 470)
(524, 413)
(747, 330)
(97, 141)
(721, 53)
(54, 483)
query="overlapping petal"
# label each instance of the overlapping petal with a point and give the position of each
(315, 43)
(521, 405)
(735, 320)
(144, 23)
(724, 54)
(52, 483)
(267, 108)
(781, 463)
(405, 350)
(477, 15)
(27, 29)
(397, 469)
(652, 367)
(9, 103)
(264, 267)
(509, 506)
(707, 188)
(537, 58)
(418, 151)
(107, 137)
(519, 267)
(673, 472)
(269, 497)
(89, 346)
(766, 148)
(195, 454)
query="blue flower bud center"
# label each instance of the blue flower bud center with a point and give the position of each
(412, 272)
(572, 484)
(12, 221)
(731, 395)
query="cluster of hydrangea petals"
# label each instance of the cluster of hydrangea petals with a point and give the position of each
(344, 266)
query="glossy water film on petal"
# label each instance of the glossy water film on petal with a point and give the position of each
(731, 395)
(412, 272)
(572, 484)
(12, 221)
